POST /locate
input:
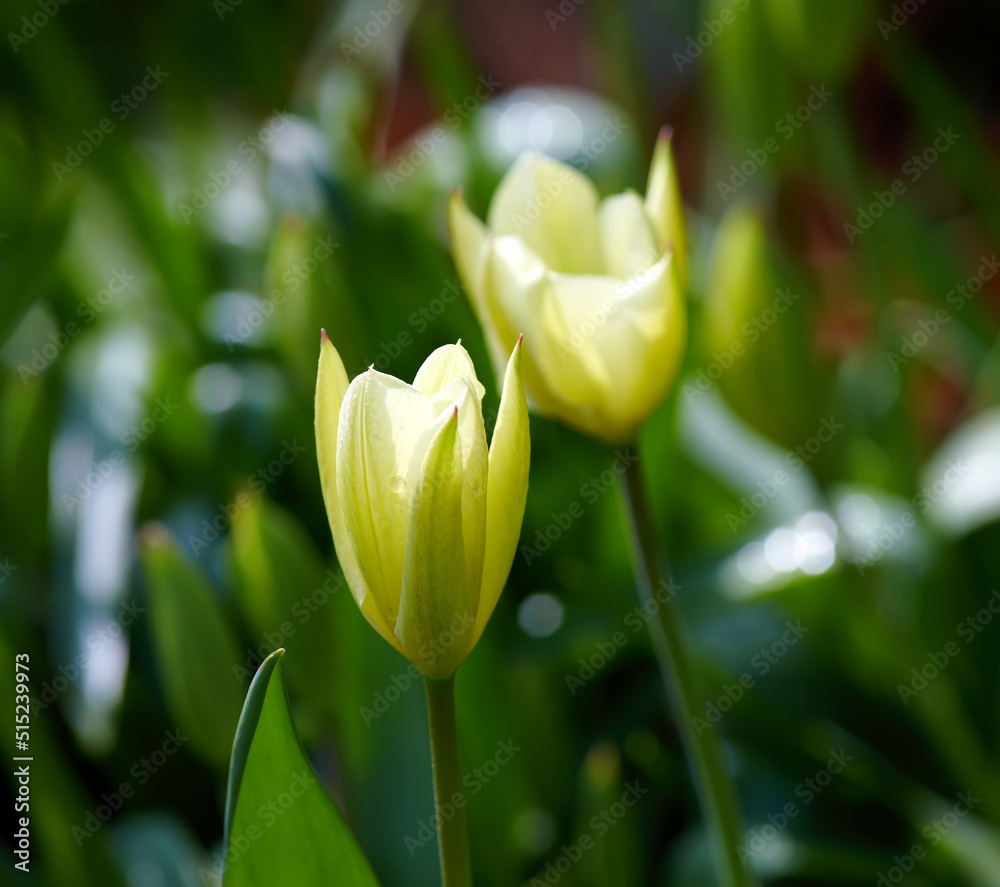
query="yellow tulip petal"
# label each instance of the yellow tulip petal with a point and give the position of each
(620, 343)
(468, 237)
(468, 246)
(510, 456)
(515, 280)
(382, 420)
(445, 365)
(642, 344)
(435, 611)
(331, 386)
(475, 471)
(553, 209)
(630, 244)
(464, 394)
(575, 309)
(664, 205)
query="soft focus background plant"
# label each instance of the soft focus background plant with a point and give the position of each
(244, 180)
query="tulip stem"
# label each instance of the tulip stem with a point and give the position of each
(453, 834)
(702, 747)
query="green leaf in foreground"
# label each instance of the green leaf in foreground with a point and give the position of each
(282, 828)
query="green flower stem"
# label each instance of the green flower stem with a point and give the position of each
(453, 834)
(704, 753)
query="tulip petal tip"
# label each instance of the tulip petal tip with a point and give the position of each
(323, 337)
(666, 133)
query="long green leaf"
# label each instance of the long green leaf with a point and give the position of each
(281, 586)
(196, 650)
(282, 828)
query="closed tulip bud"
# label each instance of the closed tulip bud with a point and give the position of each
(741, 280)
(425, 518)
(754, 338)
(596, 286)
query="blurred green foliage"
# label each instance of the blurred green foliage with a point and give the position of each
(170, 246)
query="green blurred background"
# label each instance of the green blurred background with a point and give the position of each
(189, 191)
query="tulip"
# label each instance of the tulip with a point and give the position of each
(425, 518)
(596, 285)
(754, 337)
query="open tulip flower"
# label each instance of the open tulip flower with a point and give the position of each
(596, 285)
(425, 518)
